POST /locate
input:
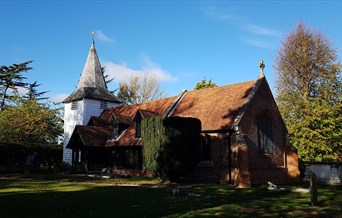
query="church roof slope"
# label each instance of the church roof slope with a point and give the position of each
(216, 107)
(91, 93)
(89, 136)
(157, 108)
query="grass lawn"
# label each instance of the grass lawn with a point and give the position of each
(78, 196)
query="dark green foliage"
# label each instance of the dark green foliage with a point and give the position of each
(205, 84)
(29, 122)
(11, 79)
(13, 156)
(108, 80)
(171, 146)
(33, 92)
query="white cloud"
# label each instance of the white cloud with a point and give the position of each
(262, 30)
(213, 12)
(103, 37)
(122, 72)
(259, 43)
(22, 90)
(241, 23)
(58, 98)
(152, 68)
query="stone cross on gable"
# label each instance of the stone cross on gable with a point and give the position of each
(262, 66)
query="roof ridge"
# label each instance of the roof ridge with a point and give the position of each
(226, 85)
(173, 106)
(250, 96)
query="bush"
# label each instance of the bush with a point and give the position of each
(13, 156)
(171, 146)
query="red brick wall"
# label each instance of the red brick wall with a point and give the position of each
(265, 167)
(249, 165)
(215, 170)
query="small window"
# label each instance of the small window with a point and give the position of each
(74, 105)
(138, 129)
(205, 148)
(118, 130)
(103, 105)
(115, 133)
(265, 140)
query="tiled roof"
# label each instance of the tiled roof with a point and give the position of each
(215, 107)
(158, 107)
(97, 121)
(126, 139)
(148, 109)
(119, 118)
(91, 93)
(89, 136)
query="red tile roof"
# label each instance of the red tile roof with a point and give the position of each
(216, 107)
(158, 107)
(89, 136)
(126, 139)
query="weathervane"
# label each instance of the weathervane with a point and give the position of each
(262, 66)
(92, 32)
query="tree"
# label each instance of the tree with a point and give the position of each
(11, 78)
(33, 93)
(30, 122)
(140, 89)
(309, 93)
(107, 79)
(204, 84)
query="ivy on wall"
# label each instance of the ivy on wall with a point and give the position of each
(171, 145)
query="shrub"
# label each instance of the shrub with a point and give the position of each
(13, 156)
(171, 146)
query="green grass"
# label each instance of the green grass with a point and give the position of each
(78, 196)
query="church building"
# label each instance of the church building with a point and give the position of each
(243, 136)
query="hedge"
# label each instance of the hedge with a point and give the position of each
(15, 154)
(171, 146)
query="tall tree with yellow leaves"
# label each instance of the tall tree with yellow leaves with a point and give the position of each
(309, 94)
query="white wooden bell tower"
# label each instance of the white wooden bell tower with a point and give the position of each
(90, 98)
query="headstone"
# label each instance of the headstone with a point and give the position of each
(313, 189)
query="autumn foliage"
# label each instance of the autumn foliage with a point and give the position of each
(309, 94)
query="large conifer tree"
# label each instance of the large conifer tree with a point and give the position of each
(11, 79)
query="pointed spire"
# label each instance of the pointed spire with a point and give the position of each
(92, 75)
(92, 82)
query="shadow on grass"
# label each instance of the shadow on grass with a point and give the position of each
(88, 200)
(65, 199)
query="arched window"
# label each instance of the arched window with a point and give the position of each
(138, 129)
(265, 138)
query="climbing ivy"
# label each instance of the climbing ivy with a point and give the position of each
(171, 146)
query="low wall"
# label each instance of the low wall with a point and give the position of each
(326, 172)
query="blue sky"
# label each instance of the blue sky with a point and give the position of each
(180, 42)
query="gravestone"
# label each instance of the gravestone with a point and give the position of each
(313, 190)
